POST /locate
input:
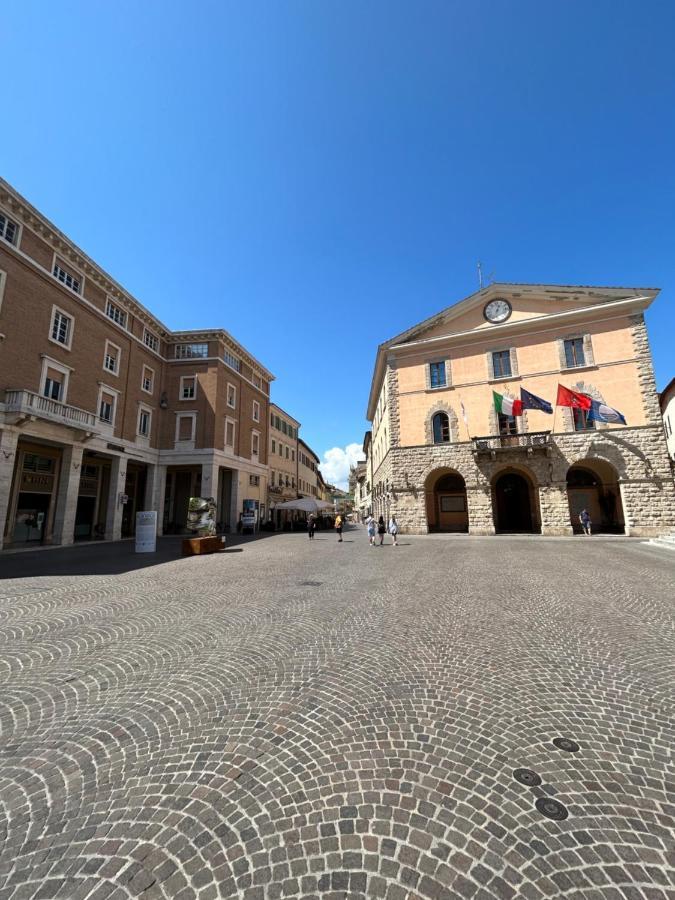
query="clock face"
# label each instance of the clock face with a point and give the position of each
(497, 311)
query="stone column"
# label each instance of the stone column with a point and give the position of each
(67, 494)
(211, 480)
(627, 509)
(479, 506)
(155, 488)
(8, 459)
(113, 519)
(555, 509)
(234, 501)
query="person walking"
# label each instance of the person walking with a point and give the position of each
(338, 527)
(311, 527)
(393, 529)
(381, 529)
(370, 525)
(585, 520)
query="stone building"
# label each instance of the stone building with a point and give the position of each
(104, 411)
(283, 464)
(308, 470)
(444, 459)
(667, 402)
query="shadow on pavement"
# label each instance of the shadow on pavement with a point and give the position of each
(109, 558)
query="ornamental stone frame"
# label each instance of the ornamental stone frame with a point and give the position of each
(521, 421)
(441, 406)
(582, 387)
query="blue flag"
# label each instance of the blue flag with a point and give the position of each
(601, 413)
(531, 401)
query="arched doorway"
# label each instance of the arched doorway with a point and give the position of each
(446, 501)
(593, 484)
(514, 504)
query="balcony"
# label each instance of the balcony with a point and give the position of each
(27, 405)
(530, 442)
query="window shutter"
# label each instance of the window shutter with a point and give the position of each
(448, 373)
(491, 367)
(561, 353)
(514, 361)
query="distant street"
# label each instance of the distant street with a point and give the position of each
(314, 719)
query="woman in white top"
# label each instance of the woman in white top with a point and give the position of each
(393, 529)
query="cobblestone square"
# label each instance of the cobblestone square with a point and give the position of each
(314, 719)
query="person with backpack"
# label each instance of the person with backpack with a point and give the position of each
(381, 529)
(393, 529)
(370, 525)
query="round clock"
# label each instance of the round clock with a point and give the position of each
(497, 311)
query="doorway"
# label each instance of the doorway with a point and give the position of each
(446, 502)
(513, 504)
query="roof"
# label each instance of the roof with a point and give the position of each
(307, 447)
(595, 294)
(667, 394)
(276, 406)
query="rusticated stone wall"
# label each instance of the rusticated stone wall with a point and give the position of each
(638, 455)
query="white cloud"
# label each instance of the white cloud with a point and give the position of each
(337, 461)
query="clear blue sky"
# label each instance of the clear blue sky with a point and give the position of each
(318, 175)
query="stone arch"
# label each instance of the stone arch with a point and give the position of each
(515, 500)
(443, 407)
(593, 484)
(446, 500)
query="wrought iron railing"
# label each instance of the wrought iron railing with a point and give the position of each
(31, 404)
(531, 440)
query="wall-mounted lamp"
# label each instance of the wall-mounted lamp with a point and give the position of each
(164, 401)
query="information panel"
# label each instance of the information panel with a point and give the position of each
(146, 531)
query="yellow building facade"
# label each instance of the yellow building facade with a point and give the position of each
(444, 459)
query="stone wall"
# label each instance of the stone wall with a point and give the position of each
(637, 455)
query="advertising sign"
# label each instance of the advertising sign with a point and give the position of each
(146, 531)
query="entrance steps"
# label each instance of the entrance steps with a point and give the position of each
(666, 541)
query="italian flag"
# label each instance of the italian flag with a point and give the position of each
(507, 406)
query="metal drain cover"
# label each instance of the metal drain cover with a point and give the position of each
(552, 809)
(527, 777)
(566, 744)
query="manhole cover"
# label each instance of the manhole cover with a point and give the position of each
(527, 776)
(566, 744)
(311, 583)
(552, 809)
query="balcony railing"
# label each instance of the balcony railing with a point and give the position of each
(530, 441)
(27, 403)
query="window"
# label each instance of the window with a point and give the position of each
(254, 480)
(62, 328)
(501, 364)
(144, 419)
(9, 230)
(231, 361)
(111, 358)
(281, 449)
(106, 409)
(274, 446)
(437, 374)
(255, 443)
(150, 340)
(272, 478)
(293, 455)
(188, 387)
(256, 411)
(441, 425)
(507, 425)
(256, 379)
(53, 385)
(147, 379)
(229, 433)
(186, 426)
(574, 353)
(116, 313)
(287, 456)
(66, 278)
(582, 422)
(231, 396)
(292, 482)
(191, 351)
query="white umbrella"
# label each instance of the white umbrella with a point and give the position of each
(306, 504)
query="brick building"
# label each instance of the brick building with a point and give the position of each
(443, 458)
(103, 410)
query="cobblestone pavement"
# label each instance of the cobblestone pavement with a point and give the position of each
(332, 720)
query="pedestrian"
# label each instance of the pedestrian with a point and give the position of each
(381, 529)
(585, 520)
(311, 526)
(370, 525)
(393, 529)
(338, 527)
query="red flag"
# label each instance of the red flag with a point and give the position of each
(566, 397)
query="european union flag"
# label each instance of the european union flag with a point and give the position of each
(531, 401)
(602, 413)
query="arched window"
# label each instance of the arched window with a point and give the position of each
(441, 425)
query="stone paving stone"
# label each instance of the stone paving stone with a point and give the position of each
(212, 727)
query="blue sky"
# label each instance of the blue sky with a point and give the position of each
(318, 176)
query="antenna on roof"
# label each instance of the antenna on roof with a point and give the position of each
(479, 266)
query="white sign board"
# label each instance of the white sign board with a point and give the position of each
(146, 531)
